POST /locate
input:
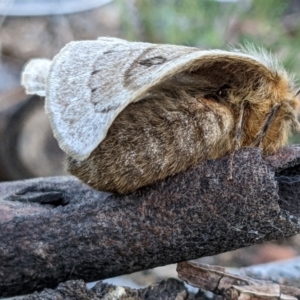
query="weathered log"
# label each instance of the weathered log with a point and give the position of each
(79, 233)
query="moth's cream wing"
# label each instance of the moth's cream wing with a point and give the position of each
(80, 117)
(91, 82)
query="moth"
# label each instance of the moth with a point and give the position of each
(128, 113)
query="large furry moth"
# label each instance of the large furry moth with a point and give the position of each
(128, 114)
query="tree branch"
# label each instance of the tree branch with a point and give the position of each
(79, 233)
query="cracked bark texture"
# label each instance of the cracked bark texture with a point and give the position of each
(57, 229)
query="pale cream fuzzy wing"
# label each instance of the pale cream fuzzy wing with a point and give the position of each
(91, 82)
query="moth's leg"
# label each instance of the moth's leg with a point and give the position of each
(237, 139)
(295, 122)
(266, 126)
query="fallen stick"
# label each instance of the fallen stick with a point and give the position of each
(57, 229)
(231, 286)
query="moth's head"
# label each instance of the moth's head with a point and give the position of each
(275, 135)
(253, 82)
(271, 87)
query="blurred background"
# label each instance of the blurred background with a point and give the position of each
(40, 28)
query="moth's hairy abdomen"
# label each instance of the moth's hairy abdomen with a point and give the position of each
(152, 139)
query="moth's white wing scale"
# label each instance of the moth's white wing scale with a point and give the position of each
(91, 82)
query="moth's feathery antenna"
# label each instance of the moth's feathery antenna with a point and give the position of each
(266, 126)
(237, 138)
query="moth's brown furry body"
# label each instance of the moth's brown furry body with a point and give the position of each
(149, 141)
(191, 117)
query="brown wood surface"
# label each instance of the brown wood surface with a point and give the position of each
(57, 229)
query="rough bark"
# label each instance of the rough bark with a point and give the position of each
(78, 233)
